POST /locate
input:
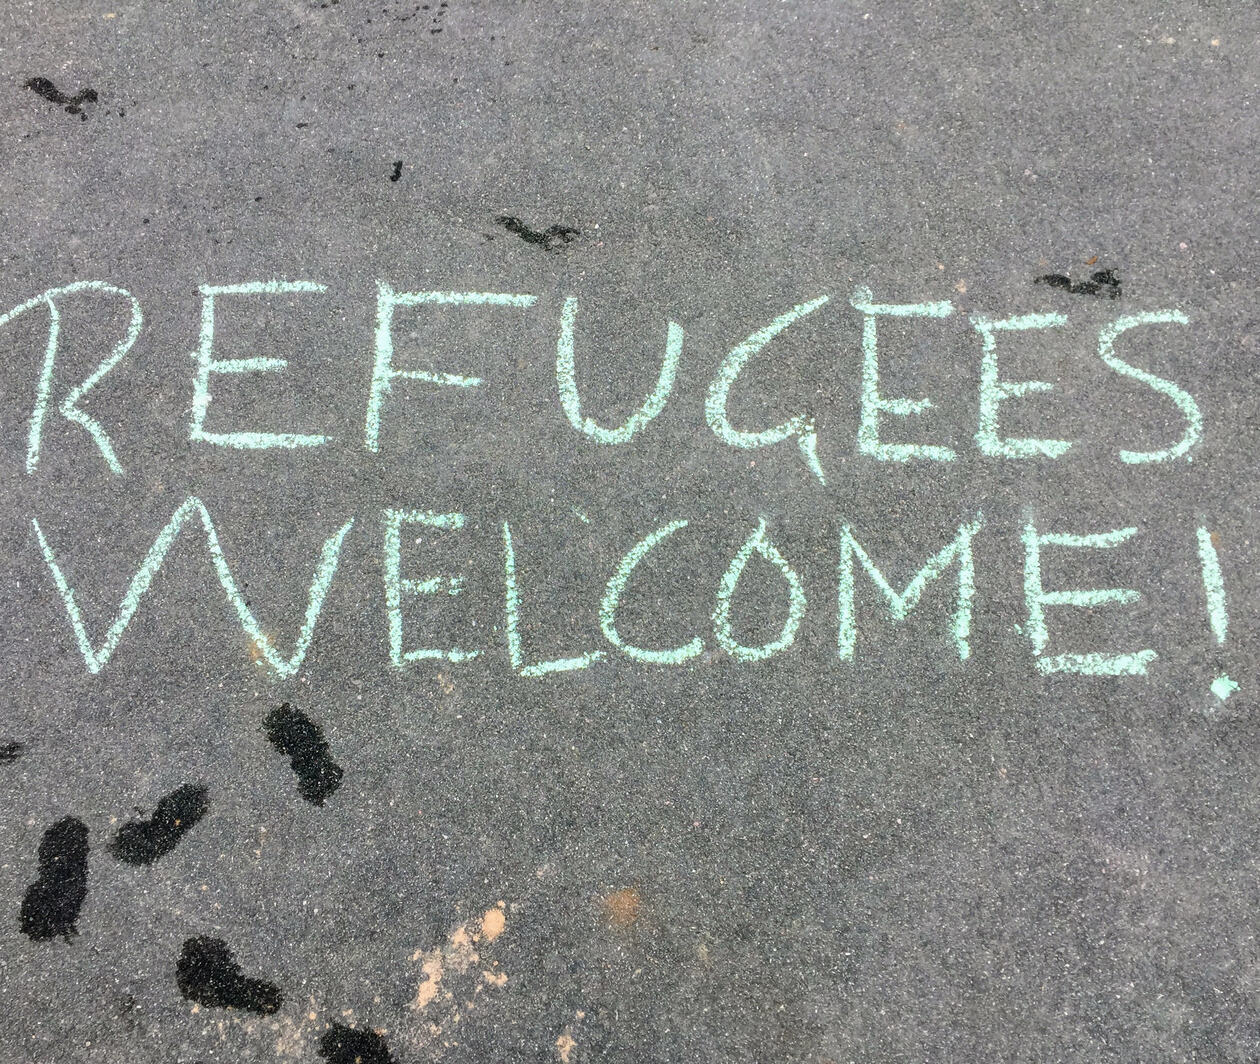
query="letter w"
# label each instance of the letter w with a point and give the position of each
(96, 659)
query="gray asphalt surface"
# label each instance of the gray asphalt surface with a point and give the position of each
(905, 857)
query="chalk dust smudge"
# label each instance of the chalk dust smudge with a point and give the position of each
(621, 907)
(453, 977)
(566, 1043)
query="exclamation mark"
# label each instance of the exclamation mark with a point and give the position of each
(1218, 618)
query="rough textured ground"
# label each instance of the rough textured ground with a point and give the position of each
(904, 857)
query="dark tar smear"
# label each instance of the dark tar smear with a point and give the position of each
(52, 903)
(73, 104)
(1104, 283)
(354, 1045)
(208, 974)
(142, 842)
(294, 734)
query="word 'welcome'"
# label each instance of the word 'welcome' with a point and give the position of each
(853, 559)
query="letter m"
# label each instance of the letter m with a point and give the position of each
(899, 605)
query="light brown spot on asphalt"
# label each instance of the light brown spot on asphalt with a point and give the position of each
(492, 923)
(621, 907)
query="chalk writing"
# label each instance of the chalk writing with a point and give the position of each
(398, 524)
(208, 364)
(1037, 598)
(96, 659)
(1185, 402)
(612, 599)
(69, 407)
(802, 426)
(875, 405)
(851, 556)
(383, 372)
(993, 390)
(1218, 615)
(396, 585)
(1213, 585)
(566, 381)
(512, 607)
(758, 543)
(959, 550)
